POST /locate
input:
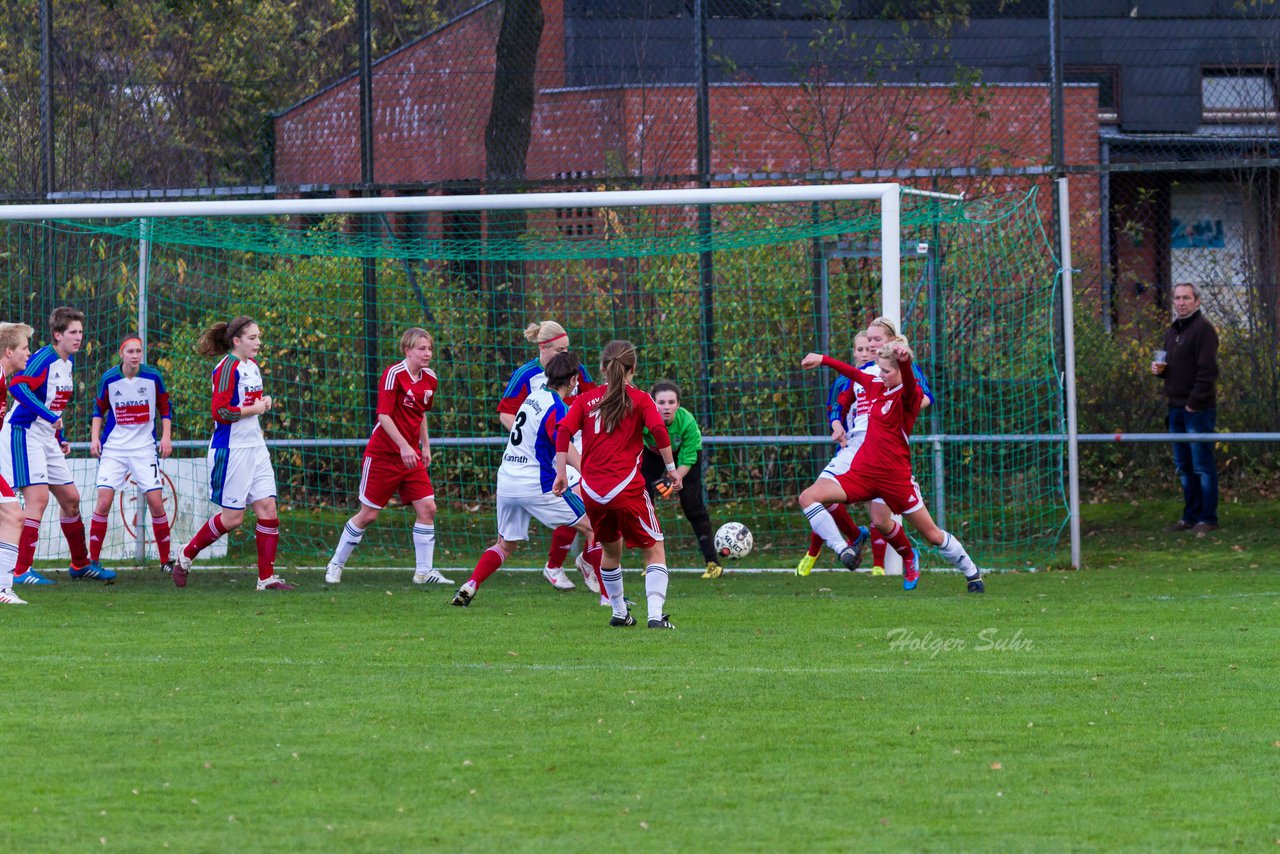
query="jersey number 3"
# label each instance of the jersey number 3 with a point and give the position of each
(517, 433)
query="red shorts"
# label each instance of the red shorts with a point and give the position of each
(629, 516)
(902, 496)
(382, 477)
(6, 491)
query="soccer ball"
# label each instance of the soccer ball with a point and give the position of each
(733, 540)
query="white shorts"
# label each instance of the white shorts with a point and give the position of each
(843, 459)
(28, 458)
(240, 476)
(515, 511)
(114, 471)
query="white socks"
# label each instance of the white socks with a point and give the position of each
(424, 546)
(655, 589)
(953, 550)
(825, 526)
(351, 537)
(8, 560)
(613, 587)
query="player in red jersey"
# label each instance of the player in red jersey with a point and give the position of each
(552, 340)
(15, 349)
(881, 470)
(396, 459)
(612, 419)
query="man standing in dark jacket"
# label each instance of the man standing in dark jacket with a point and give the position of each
(1190, 371)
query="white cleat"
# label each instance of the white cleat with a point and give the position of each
(274, 582)
(8, 597)
(333, 574)
(588, 574)
(557, 578)
(429, 576)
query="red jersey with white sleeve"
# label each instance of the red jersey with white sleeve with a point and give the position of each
(890, 419)
(611, 459)
(407, 401)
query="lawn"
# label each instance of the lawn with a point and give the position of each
(1130, 705)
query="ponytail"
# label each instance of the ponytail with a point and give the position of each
(617, 359)
(543, 332)
(217, 339)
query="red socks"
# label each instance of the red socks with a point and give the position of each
(561, 542)
(97, 533)
(205, 537)
(27, 546)
(73, 530)
(840, 512)
(159, 524)
(594, 553)
(815, 545)
(267, 535)
(878, 547)
(488, 564)
(898, 539)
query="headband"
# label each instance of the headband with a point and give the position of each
(554, 338)
(127, 340)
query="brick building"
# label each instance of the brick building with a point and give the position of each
(1150, 83)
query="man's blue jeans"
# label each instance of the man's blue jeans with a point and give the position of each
(1195, 464)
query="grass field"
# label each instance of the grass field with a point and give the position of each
(1127, 706)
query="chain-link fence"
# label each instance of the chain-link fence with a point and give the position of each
(1164, 113)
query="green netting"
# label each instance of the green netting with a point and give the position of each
(978, 303)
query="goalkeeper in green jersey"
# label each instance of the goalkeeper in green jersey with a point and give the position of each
(686, 445)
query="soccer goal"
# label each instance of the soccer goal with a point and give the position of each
(723, 291)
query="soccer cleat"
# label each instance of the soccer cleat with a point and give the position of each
(93, 570)
(31, 577)
(911, 571)
(976, 586)
(604, 601)
(877, 570)
(663, 622)
(8, 597)
(167, 567)
(556, 578)
(851, 558)
(628, 620)
(805, 566)
(180, 570)
(864, 535)
(429, 576)
(465, 594)
(714, 570)
(333, 574)
(588, 574)
(273, 582)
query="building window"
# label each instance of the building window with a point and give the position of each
(576, 222)
(1108, 88)
(1238, 95)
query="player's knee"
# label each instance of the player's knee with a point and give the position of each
(426, 510)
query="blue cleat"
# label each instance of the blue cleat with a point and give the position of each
(93, 570)
(911, 573)
(31, 577)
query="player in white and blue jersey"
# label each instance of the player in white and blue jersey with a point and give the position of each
(551, 339)
(240, 470)
(33, 449)
(131, 414)
(527, 474)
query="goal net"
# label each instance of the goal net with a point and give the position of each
(723, 299)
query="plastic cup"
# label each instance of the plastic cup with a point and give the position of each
(1160, 357)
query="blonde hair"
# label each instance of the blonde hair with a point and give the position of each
(617, 359)
(411, 336)
(887, 325)
(886, 352)
(12, 336)
(544, 331)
